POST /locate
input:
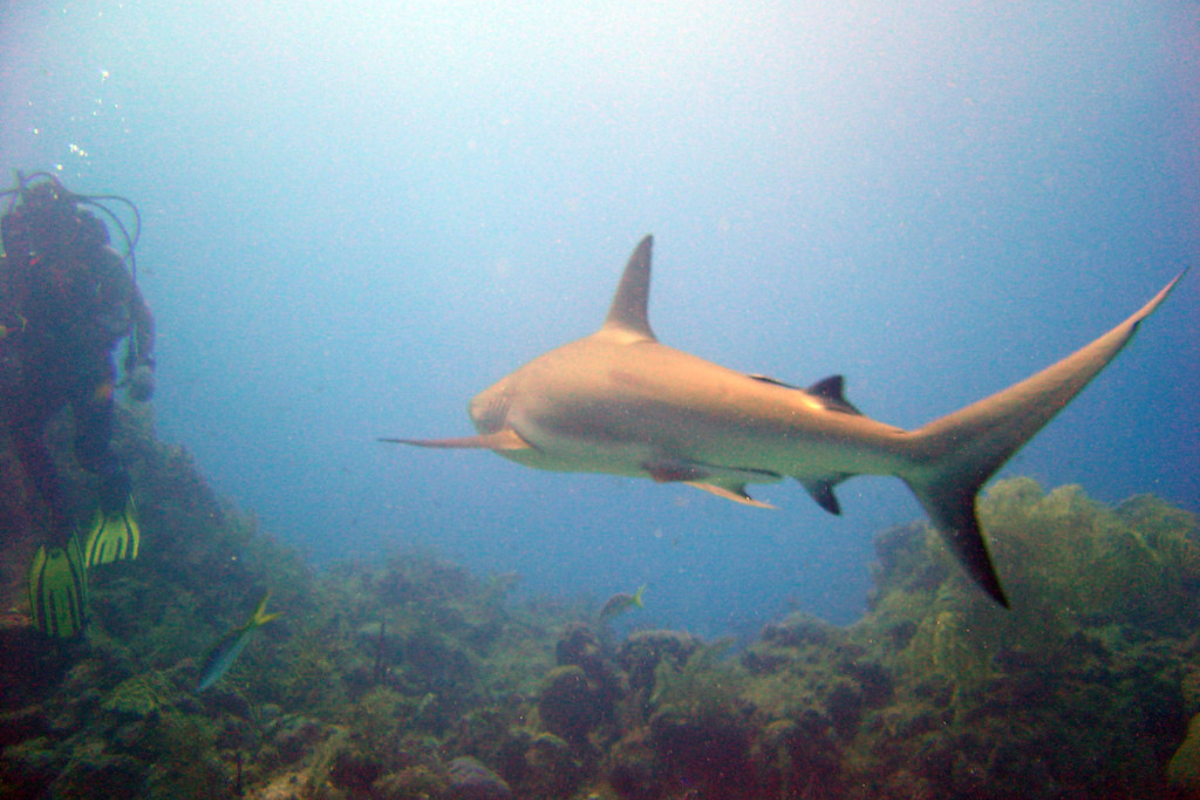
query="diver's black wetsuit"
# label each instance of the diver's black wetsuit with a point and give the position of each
(68, 300)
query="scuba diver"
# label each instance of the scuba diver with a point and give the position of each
(66, 300)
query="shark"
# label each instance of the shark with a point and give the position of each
(621, 403)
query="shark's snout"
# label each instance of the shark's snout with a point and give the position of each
(489, 409)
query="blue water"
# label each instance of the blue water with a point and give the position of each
(357, 215)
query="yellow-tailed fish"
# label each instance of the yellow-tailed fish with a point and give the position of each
(222, 654)
(620, 603)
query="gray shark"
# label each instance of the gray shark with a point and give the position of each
(621, 403)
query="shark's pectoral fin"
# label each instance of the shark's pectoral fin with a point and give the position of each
(821, 490)
(503, 439)
(735, 493)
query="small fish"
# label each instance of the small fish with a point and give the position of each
(222, 654)
(620, 603)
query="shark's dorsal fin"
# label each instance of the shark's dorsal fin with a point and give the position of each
(628, 310)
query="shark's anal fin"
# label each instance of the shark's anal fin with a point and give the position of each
(821, 490)
(503, 439)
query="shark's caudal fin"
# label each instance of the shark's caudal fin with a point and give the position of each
(956, 454)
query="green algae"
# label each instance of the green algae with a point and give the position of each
(1066, 562)
(139, 696)
(1184, 767)
(706, 687)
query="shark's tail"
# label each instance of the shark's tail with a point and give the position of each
(955, 455)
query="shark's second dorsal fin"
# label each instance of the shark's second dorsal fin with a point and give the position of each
(831, 390)
(628, 309)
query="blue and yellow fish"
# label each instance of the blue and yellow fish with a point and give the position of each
(620, 603)
(222, 654)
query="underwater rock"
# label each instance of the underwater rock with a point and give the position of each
(354, 770)
(796, 639)
(633, 770)
(550, 769)
(437, 663)
(24, 723)
(877, 684)
(798, 758)
(225, 700)
(36, 671)
(1184, 768)
(580, 646)
(797, 630)
(139, 696)
(642, 652)
(288, 786)
(903, 565)
(711, 751)
(28, 768)
(701, 726)
(844, 706)
(572, 705)
(936, 689)
(295, 736)
(411, 783)
(471, 780)
(93, 772)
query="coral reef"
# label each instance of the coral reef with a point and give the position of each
(416, 680)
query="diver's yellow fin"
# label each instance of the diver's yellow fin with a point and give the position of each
(58, 590)
(113, 538)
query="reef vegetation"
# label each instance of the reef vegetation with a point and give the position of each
(415, 679)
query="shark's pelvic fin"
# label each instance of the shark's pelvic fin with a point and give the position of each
(956, 454)
(726, 482)
(628, 312)
(736, 493)
(503, 439)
